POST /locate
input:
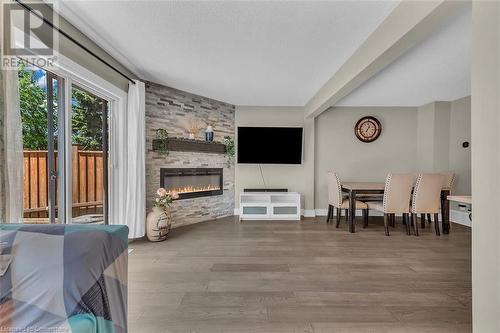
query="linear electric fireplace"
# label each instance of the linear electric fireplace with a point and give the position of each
(192, 182)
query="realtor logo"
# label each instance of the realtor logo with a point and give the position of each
(27, 34)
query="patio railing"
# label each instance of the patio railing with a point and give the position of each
(87, 182)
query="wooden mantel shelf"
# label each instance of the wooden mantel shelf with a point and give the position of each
(178, 144)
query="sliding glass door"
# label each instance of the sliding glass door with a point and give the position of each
(41, 107)
(89, 153)
(65, 150)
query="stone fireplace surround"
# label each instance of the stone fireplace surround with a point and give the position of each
(169, 108)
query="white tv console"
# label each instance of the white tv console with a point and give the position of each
(269, 206)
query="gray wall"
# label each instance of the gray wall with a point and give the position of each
(485, 83)
(425, 137)
(338, 149)
(428, 138)
(433, 135)
(442, 128)
(169, 109)
(460, 131)
(297, 178)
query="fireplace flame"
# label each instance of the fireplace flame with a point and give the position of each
(191, 189)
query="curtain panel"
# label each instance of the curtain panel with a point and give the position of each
(11, 150)
(135, 150)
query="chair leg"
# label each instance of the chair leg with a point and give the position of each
(329, 213)
(422, 221)
(429, 218)
(436, 224)
(386, 224)
(415, 223)
(365, 218)
(338, 217)
(394, 220)
(406, 221)
(347, 215)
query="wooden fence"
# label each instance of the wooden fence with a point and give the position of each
(87, 182)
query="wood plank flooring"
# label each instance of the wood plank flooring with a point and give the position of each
(281, 276)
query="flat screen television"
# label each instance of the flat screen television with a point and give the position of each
(270, 145)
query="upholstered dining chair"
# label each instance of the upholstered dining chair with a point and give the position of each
(397, 194)
(336, 200)
(426, 198)
(448, 182)
(448, 179)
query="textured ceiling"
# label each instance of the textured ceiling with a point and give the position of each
(241, 52)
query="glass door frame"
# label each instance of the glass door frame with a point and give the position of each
(55, 178)
(71, 74)
(106, 131)
(71, 81)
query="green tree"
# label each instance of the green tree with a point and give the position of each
(86, 113)
(33, 106)
(87, 120)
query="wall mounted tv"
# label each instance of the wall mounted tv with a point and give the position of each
(270, 145)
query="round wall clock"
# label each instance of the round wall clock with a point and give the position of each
(368, 129)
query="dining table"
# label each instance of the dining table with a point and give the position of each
(354, 189)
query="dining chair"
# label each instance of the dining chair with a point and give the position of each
(426, 198)
(448, 182)
(336, 200)
(397, 194)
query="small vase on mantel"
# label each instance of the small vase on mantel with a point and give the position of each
(209, 134)
(158, 224)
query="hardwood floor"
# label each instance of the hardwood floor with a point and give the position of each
(283, 276)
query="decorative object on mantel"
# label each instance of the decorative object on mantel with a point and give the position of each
(194, 126)
(162, 141)
(229, 150)
(159, 220)
(179, 144)
(209, 134)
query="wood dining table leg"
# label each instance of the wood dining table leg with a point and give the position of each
(352, 211)
(338, 217)
(436, 224)
(386, 223)
(445, 211)
(415, 223)
(406, 222)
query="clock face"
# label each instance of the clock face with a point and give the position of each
(368, 129)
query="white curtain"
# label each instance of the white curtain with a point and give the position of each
(135, 202)
(12, 159)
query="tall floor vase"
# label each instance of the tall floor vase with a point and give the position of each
(158, 224)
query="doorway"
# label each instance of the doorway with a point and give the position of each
(65, 149)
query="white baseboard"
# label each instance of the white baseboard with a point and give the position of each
(308, 212)
(460, 217)
(321, 212)
(456, 216)
(303, 212)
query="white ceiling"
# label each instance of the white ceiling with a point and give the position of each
(438, 69)
(246, 53)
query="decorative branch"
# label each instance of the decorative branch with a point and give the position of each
(229, 150)
(161, 145)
